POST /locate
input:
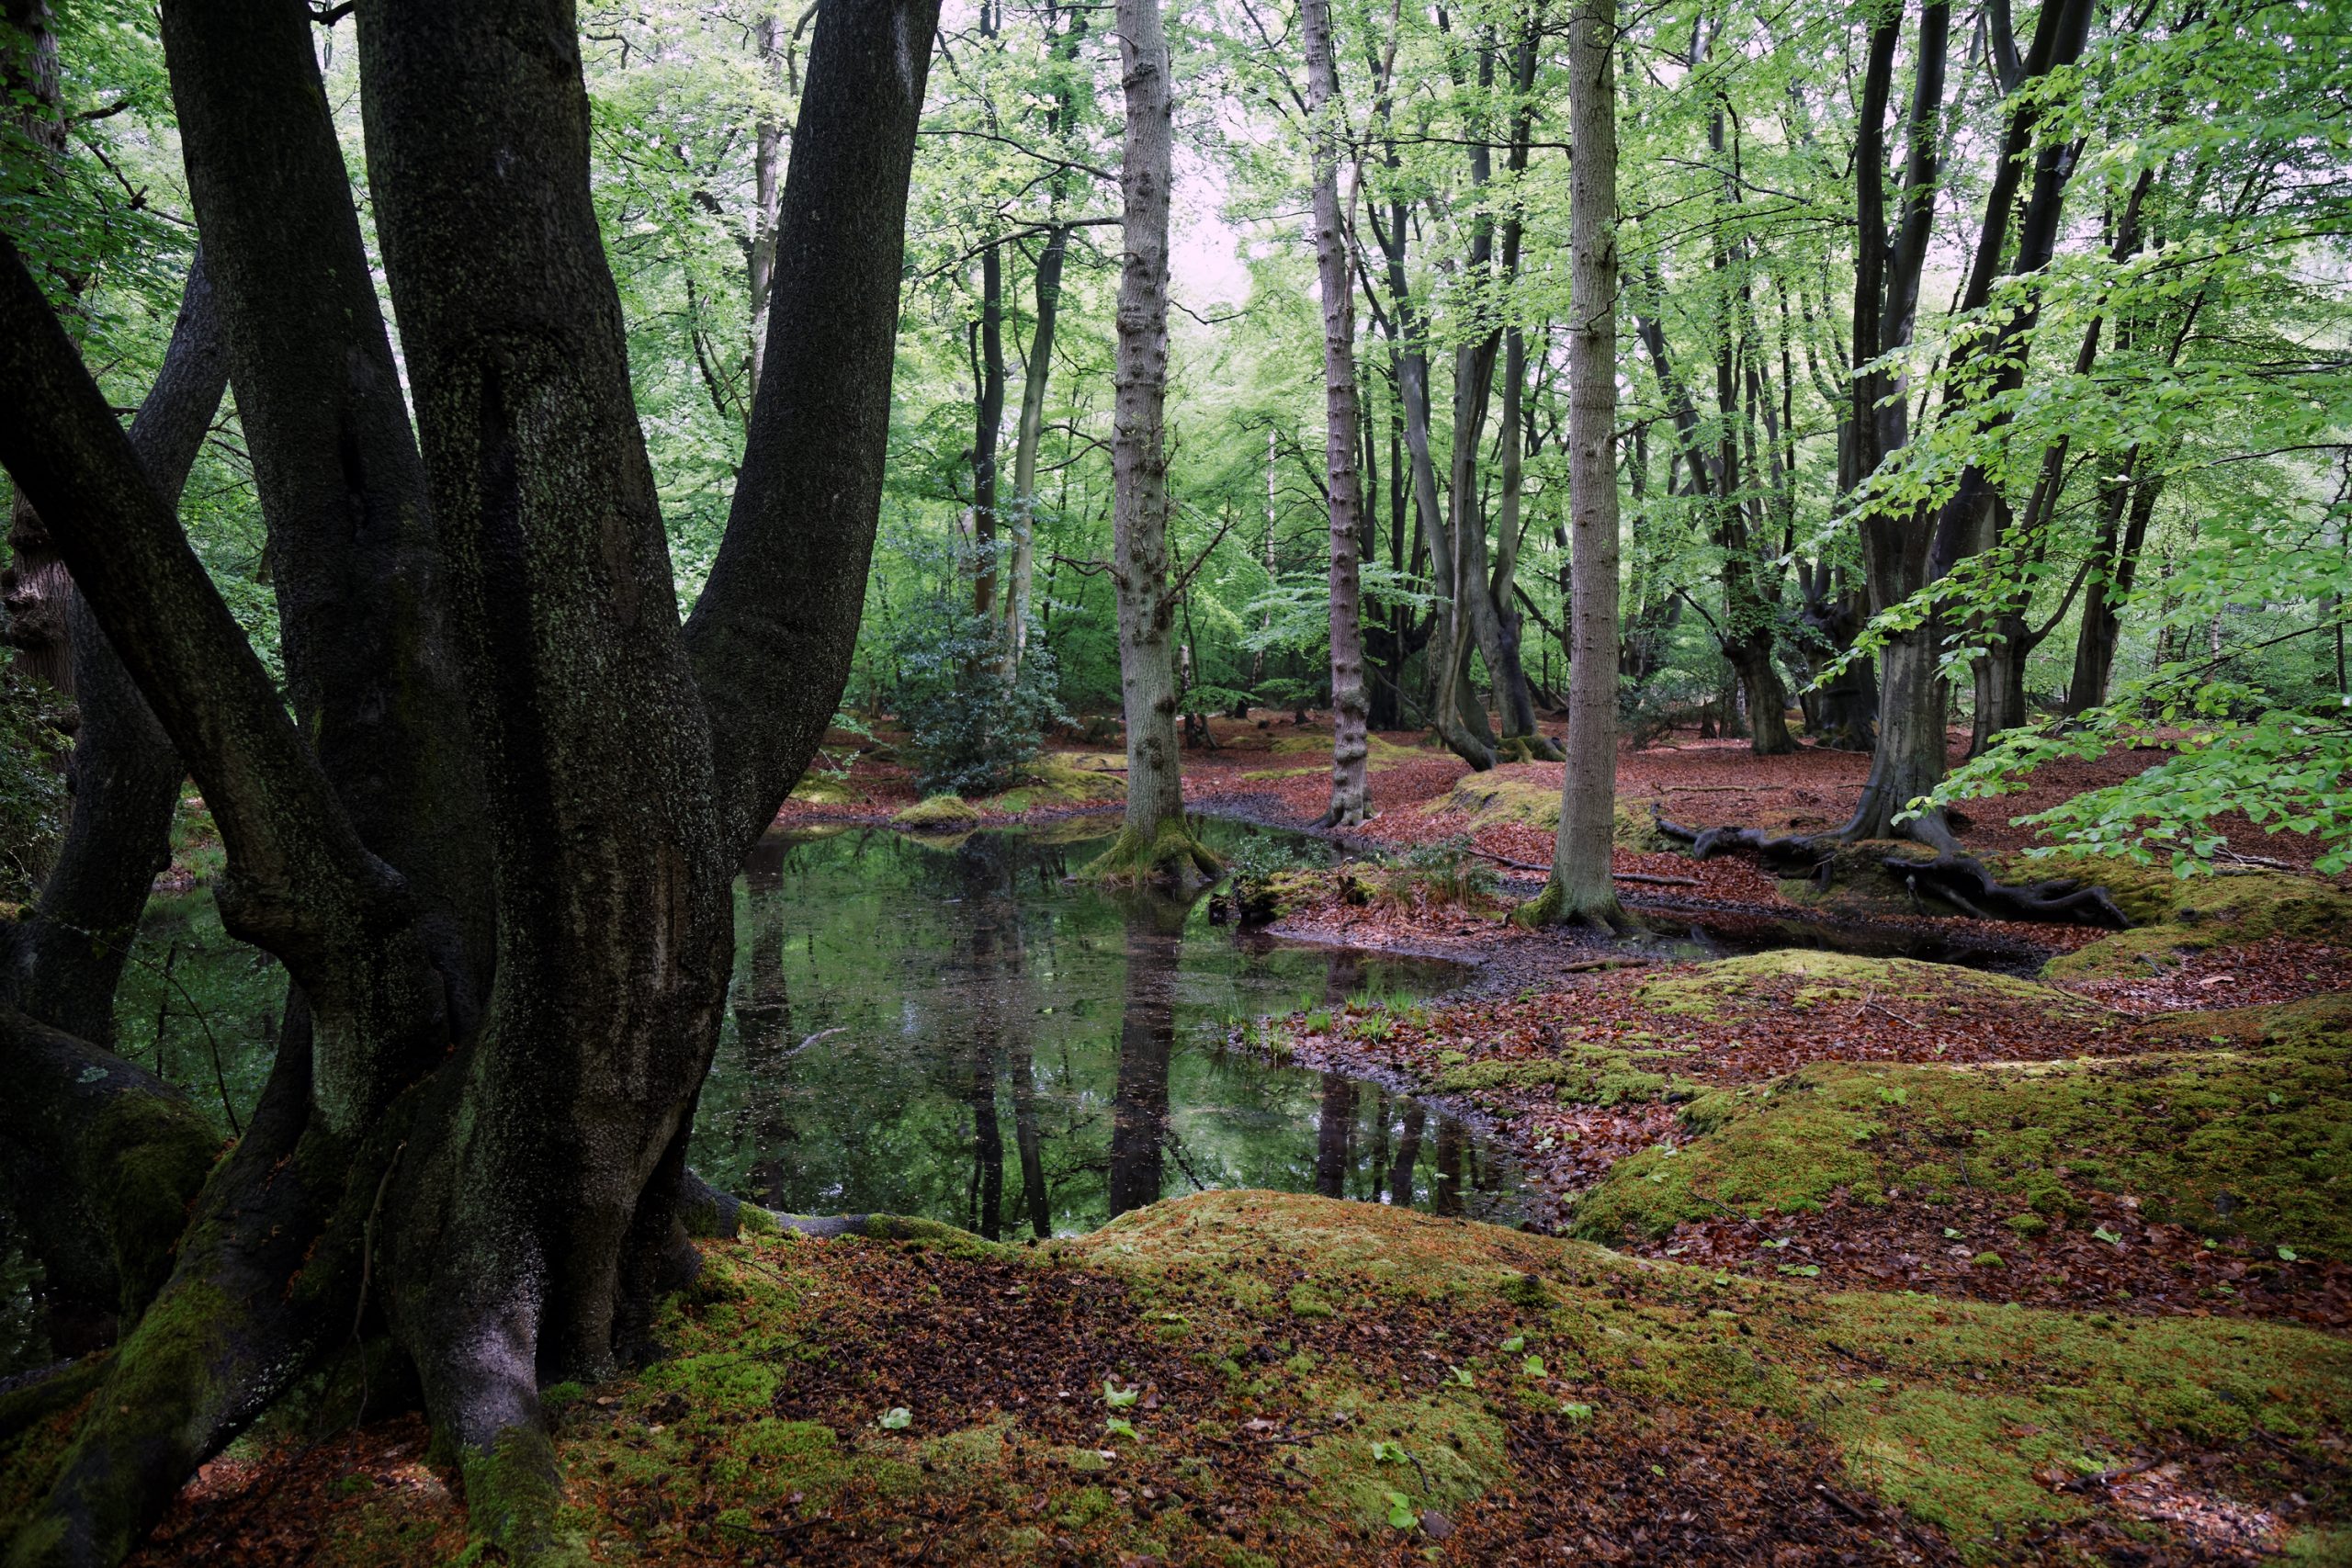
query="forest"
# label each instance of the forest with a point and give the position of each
(1165, 781)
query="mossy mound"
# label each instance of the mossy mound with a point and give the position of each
(2254, 1140)
(1515, 793)
(2175, 917)
(1251, 1378)
(1803, 979)
(938, 814)
(1380, 755)
(818, 789)
(1051, 784)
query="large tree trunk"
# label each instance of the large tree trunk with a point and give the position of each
(527, 1169)
(1350, 796)
(1153, 844)
(1580, 888)
(1905, 551)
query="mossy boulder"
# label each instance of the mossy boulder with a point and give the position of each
(938, 814)
(2174, 916)
(2252, 1140)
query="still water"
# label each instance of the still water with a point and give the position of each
(954, 1029)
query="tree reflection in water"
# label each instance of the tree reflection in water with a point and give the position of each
(925, 1027)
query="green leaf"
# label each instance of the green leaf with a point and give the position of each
(2287, 1255)
(1514, 1345)
(1120, 1427)
(2103, 1234)
(1400, 1512)
(1385, 1453)
(1461, 1377)
(1532, 1366)
(897, 1418)
(1119, 1398)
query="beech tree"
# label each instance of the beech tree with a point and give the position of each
(1153, 844)
(473, 1134)
(1579, 888)
(1350, 800)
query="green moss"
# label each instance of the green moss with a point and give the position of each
(938, 814)
(1454, 1452)
(513, 1499)
(1803, 979)
(1502, 795)
(2245, 1142)
(2175, 917)
(1583, 1075)
(817, 789)
(1171, 856)
(1049, 784)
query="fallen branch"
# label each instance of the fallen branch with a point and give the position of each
(1589, 964)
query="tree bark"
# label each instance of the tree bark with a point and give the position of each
(1350, 801)
(532, 1163)
(1580, 888)
(988, 422)
(1153, 843)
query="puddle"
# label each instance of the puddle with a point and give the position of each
(954, 1030)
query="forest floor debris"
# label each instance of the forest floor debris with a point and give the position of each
(1251, 1378)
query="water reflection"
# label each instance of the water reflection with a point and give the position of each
(928, 1027)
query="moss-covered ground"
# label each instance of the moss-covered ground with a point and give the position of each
(1254, 1379)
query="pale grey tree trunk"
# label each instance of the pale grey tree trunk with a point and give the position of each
(767, 182)
(1580, 888)
(1349, 794)
(1153, 845)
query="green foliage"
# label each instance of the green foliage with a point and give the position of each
(973, 716)
(1443, 870)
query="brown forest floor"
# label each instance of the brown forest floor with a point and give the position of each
(1910, 1263)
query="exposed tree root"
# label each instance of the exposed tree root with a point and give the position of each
(1960, 880)
(1170, 857)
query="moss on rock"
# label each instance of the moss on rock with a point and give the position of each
(1048, 783)
(938, 814)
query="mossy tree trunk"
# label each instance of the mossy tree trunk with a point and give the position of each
(1153, 844)
(1580, 888)
(501, 1148)
(104, 1156)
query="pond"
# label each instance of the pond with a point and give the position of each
(955, 1028)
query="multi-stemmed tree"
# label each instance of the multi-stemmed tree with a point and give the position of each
(493, 842)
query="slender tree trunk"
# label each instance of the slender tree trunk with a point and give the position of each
(767, 193)
(988, 421)
(1027, 437)
(1153, 845)
(1349, 796)
(1580, 888)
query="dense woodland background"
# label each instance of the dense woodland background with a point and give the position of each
(2136, 381)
